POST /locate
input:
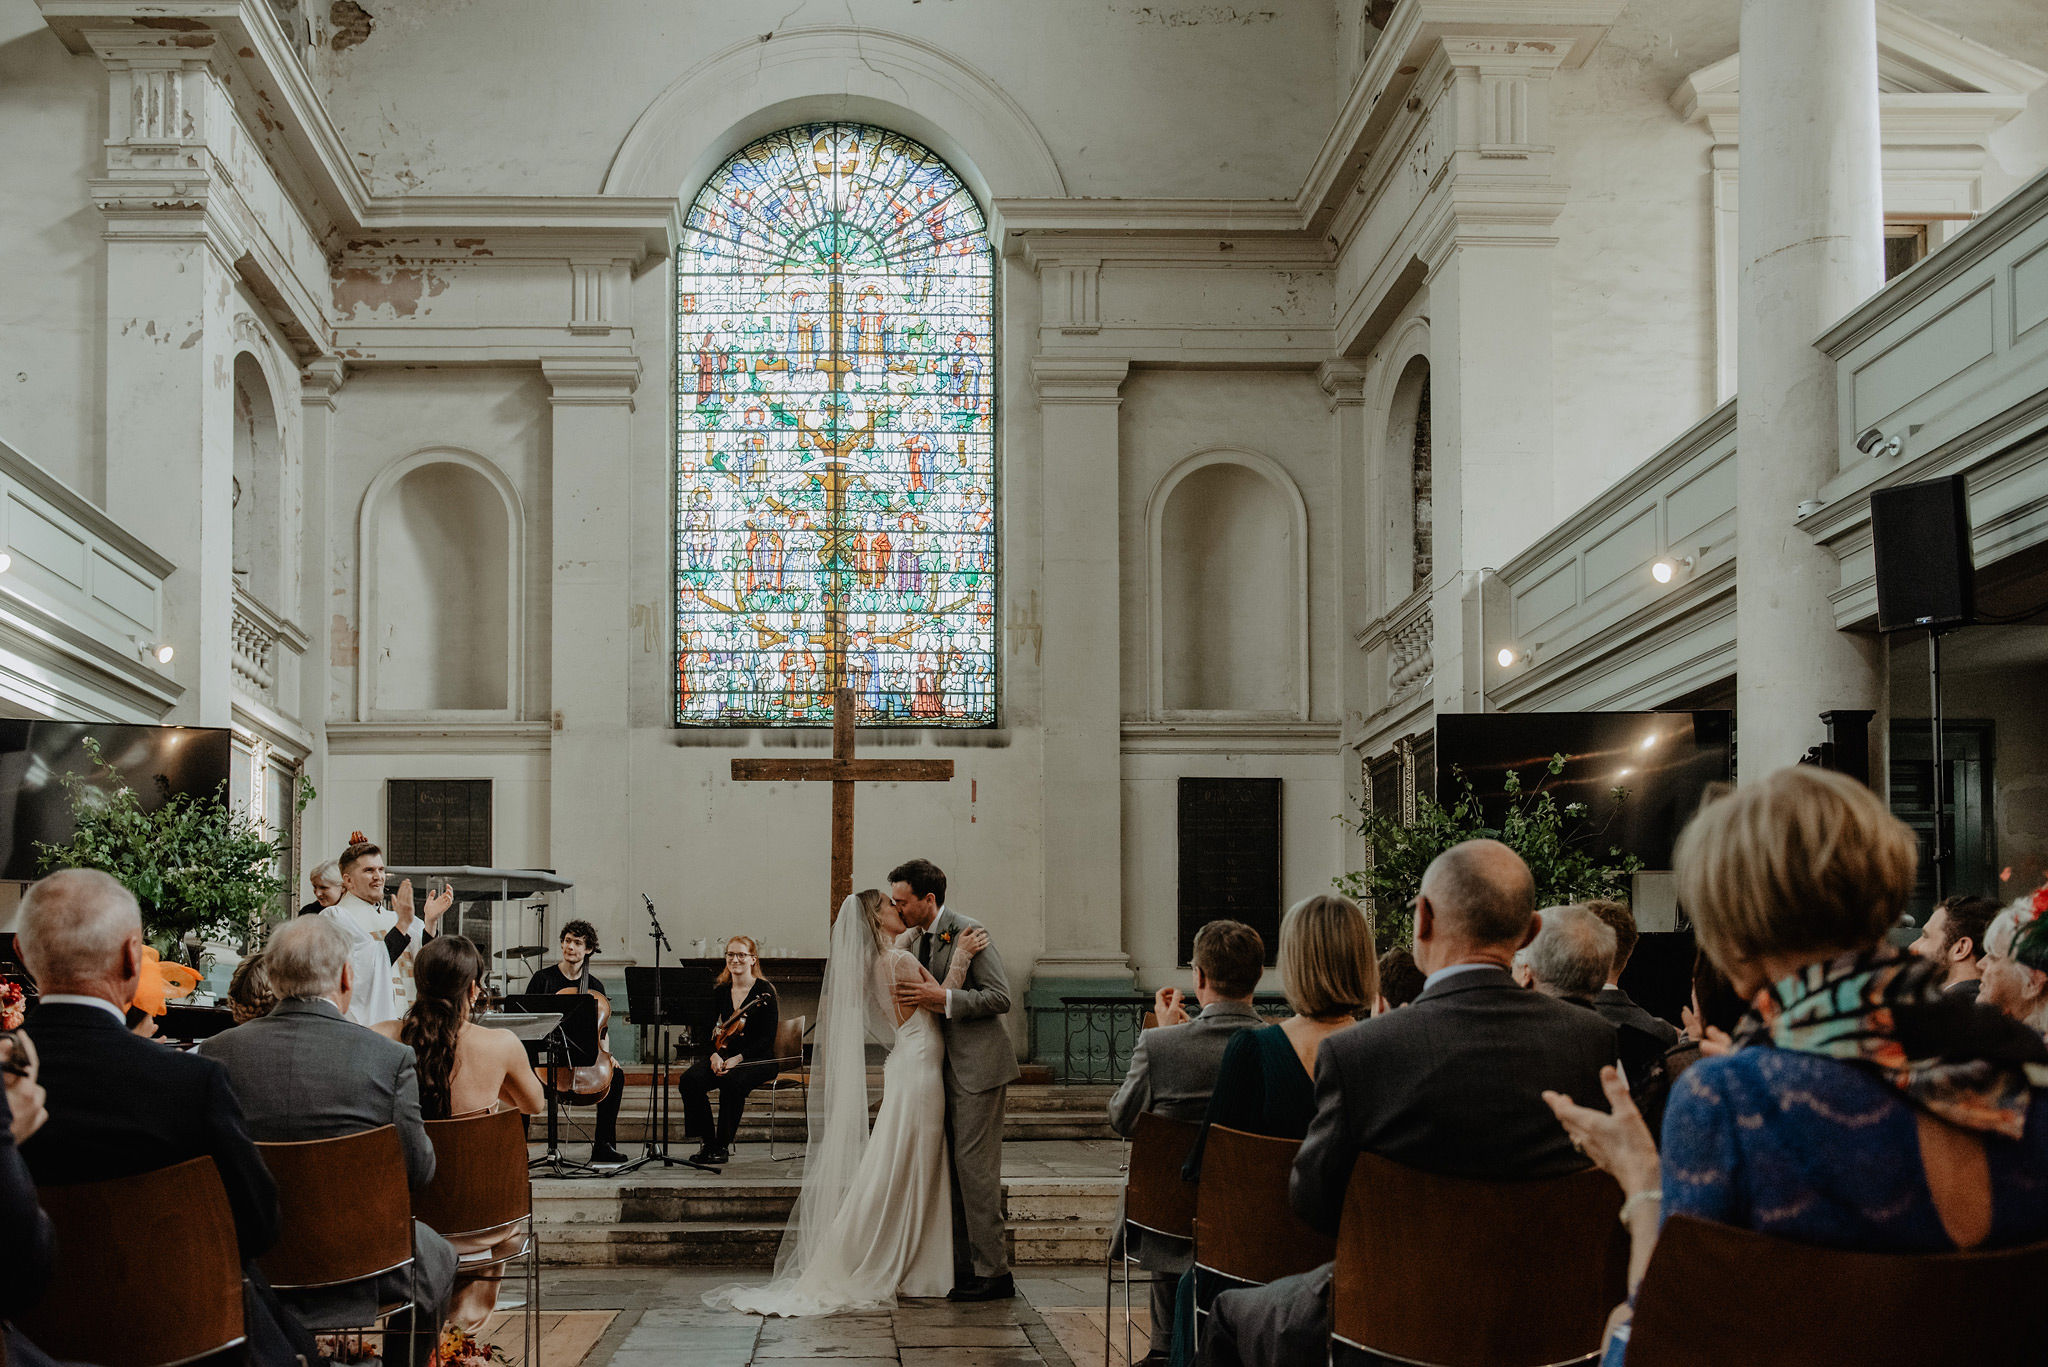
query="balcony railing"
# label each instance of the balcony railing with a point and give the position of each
(255, 652)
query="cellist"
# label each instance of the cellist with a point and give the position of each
(572, 974)
(742, 1056)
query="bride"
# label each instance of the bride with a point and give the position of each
(874, 1220)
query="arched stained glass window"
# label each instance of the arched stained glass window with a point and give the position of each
(835, 421)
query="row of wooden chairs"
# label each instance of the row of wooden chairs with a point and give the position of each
(1455, 1272)
(148, 1273)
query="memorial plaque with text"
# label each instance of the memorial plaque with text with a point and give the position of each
(439, 822)
(1229, 857)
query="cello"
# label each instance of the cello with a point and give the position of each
(591, 1080)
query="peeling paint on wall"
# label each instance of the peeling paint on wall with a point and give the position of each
(342, 642)
(360, 291)
(352, 24)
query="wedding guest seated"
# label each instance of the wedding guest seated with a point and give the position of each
(1570, 959)
(742, 1063)
(1612, 1001)
(1173, 1071)
(578, 942)
(327, 888)
(1450, 1084)
(464, 1068)
(25, 1231)
(306, 1071)
(2015, 974)
(1860, 1108)
(1400, 979)
(1954, 938)
(119, 1104)
(1710, 1023)
(249, 991)
(1266, 1083)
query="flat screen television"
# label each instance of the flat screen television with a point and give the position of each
(34, 755)
(1664, 760)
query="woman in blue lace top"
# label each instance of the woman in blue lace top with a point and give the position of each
(1854, 1091)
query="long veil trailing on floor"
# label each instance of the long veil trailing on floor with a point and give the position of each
(852, 1012)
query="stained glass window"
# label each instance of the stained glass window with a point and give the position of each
(835, 420)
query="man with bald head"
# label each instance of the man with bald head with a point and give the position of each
(1451, 1084)
(120, 1104)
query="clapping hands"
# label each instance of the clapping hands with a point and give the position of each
(1168, 1006)
(437, 905)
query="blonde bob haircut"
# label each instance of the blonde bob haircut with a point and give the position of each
(1802, 860)
(1328, 966)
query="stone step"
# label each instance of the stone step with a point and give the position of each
(1053, 1220)
(1079, 1112)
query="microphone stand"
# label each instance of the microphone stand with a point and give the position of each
(658, 1113)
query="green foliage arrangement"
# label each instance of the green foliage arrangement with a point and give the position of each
(198, 866)
(1557, 840)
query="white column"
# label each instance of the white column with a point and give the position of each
(589, 779)
(1358, 567)
(1811, 249)
(319, 385)
(1082, 689)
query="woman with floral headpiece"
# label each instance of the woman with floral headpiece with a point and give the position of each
(2015, 967)
(1859, 1107)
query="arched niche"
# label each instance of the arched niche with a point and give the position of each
(835, 72)
(1229, 551)
(441, 549)
(1408, 531)
(259, 520)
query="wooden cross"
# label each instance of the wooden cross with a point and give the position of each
(842, 771)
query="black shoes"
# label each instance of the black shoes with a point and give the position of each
(710, 1157)
(605, 1155)
(1000, 1287)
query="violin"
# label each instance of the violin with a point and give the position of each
(592, 1079)
(724, 1034)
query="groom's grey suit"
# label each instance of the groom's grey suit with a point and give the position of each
(981, 1063)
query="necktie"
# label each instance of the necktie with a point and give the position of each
(924, 949)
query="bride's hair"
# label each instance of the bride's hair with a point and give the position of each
(870, 900)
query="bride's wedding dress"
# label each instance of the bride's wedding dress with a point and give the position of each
(875, 1218)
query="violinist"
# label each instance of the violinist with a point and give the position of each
(572, 974)
(742, 1055)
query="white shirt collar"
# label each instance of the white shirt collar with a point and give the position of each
(80, 999)
(1433, 979)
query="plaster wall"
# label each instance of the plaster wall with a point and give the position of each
(53, 117)
(383, 416)
(1135, 99)
(354, 797)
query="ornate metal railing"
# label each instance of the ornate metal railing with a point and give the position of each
(1097, 1034)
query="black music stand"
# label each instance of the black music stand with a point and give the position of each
(570, 1043)
(657, 996)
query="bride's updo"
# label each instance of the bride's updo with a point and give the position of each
(871, 905)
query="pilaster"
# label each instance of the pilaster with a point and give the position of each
(320, 383)
(1083, 707)
(589, 788)
(1358, 568)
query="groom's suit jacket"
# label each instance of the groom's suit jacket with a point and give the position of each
(979, 1055)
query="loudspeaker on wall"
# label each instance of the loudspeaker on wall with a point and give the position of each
(1920, 539)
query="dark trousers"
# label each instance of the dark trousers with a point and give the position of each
(699, 1082)
(607, 1136)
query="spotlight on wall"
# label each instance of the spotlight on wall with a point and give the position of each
(157, 651)
(1872, 442)
(1507, 657)
(1670, 567)
(6, 562)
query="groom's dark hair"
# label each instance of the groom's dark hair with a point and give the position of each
(925, 878)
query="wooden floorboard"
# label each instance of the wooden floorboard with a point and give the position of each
(566, 1336)
(1079, 1331)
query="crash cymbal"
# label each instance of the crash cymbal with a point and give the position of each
(523, 952)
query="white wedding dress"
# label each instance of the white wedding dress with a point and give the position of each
(875, 1217)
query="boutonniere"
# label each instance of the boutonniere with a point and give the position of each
(946, 938)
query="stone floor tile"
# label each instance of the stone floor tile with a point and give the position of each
(972, 1357)
(961, 1336)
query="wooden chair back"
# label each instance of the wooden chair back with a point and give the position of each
(480, 1179)
(345, 1209)
(1715, 1295)
(1461, 1272)
(789, 1040)
(148, 1273)
(1245, 1228)
(1156, 1198)
(1149, 1021)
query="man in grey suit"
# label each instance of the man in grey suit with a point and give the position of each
(981, 1063)
(306, 1071)
(1173, 1071)
(1452, 1084)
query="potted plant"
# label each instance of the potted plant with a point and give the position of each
(200, 868)
(1556, 840)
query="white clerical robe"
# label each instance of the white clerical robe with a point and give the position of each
(380, 956)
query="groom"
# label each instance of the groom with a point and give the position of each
(981, 1064)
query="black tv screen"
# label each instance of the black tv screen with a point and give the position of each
(34, 755)
(1665, 761)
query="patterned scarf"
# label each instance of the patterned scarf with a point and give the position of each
(1967, 1064)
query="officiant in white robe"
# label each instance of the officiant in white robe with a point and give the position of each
(382, 940)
